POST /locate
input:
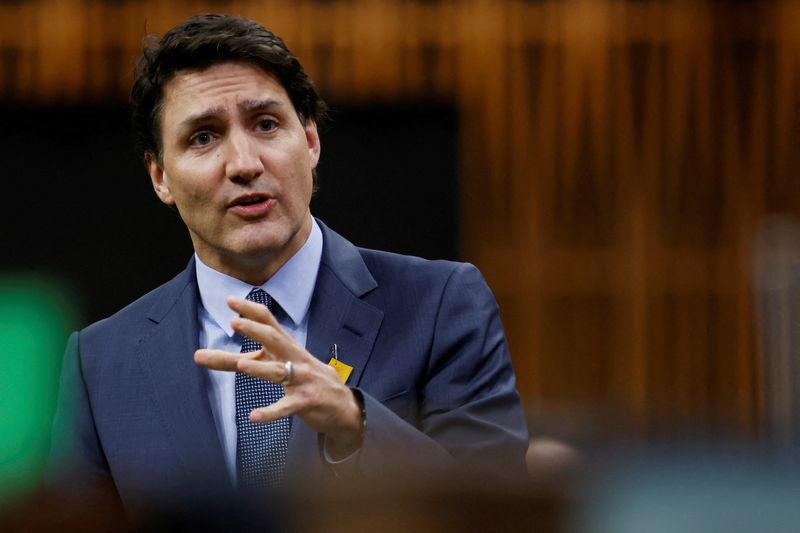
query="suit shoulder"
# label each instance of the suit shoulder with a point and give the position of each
(141, 309)
(389, 266)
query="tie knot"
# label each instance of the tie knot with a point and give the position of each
(260, 296)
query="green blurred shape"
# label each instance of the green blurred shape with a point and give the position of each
(35, 320)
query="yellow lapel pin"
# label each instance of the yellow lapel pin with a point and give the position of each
(344, 370)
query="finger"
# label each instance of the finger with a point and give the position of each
(286, 406)
(273, 371)
(222, 360)
(252, 310)
(275, 341)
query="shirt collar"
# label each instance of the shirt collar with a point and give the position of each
(291, 286)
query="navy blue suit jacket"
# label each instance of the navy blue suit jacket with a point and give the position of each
(423, 337)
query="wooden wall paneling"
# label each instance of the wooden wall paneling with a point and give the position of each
(684, 171)
(516, 256)
(783, 191)
(647, 255)
(584, 206)
(9, 49)
(625, 163)
(24, 22)
(417, 61)
(279, 16)
(677, 328)
(375, 72)
(547, 56)
(745, 84)
(59, 29)
(441, 40)
(631, 68)
(483, 82)
(777, 280)
(579, 220)
(579, 338)
(122, 29)
(157, 16)
(306, 41)
(689, 214)
(418, 56)
(517, 261)
(777, 244)
(761, 165)
(342, 56)
(751, 211)
(99, 50)
(617, 158)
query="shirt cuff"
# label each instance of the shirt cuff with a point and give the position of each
(331, 461)
(351, 459)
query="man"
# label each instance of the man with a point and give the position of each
(200, 383)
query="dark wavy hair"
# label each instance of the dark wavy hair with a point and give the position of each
(202, 41)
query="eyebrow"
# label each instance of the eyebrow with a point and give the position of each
(248, 106)
(193, 120)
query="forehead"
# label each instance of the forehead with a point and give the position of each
(219, 86)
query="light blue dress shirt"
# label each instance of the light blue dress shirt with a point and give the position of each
(291, 287)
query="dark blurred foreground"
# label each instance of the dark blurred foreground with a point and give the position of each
(677, 487)
(378, 505)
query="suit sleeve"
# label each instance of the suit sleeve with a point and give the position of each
(469, 409)
(76, 461)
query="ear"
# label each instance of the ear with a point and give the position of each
(159, 179)
(312, 138)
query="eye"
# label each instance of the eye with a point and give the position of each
(266, 124)
(201, 138)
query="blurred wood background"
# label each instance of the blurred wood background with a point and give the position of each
(617, 161)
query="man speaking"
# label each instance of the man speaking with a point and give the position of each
(282, 349)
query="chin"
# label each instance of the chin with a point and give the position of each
(262, 242)
(261, 249)
(254, 253)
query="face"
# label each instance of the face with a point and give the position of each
(237, 163)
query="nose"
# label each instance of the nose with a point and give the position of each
(243, 161)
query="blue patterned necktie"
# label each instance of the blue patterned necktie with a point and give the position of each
(260, 448)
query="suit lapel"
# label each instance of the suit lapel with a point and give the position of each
(338, 316)
(179, 386)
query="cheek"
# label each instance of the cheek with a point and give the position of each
(301, 189)
(294, 177)
(193, 183)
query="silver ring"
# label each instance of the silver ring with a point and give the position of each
(289, 373)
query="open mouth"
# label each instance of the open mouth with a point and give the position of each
(253, 205)
(250, 199)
